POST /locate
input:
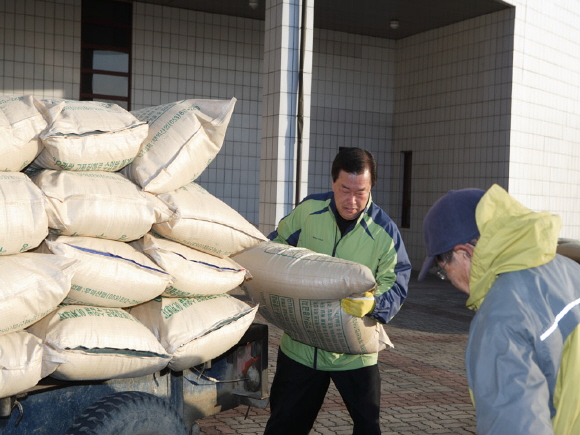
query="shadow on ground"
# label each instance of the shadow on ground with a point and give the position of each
(433, 305)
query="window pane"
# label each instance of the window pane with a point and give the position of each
(111, 61)
(110, 85)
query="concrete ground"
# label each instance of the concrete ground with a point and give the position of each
(424, 389)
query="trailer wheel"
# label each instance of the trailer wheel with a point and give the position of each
(129, 413)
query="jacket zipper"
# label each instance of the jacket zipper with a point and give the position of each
(336, 242)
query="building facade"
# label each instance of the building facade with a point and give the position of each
(493, 98)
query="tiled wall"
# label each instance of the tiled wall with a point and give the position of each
(352, 105)
(545, 133)
(494, 99)
(181, 54)
(40, 48)
(452, 112)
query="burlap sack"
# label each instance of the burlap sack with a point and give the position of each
(198, 329)
(206, 223)
(109, 273)
(184, 137)
(299, 291)
(98, 204)
(20, 362)
(23, 217)
(193, 272)
(90, 136)
(92, 343)
(31, 286)
(22, 119)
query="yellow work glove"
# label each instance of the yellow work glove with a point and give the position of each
(358, 306)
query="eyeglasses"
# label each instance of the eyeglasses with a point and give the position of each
(441, 272)
(443, 260)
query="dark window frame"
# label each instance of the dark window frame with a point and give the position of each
(114, 10)
(406, 178)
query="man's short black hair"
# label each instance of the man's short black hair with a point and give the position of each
(354, 161)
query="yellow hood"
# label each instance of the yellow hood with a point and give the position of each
(512, 237)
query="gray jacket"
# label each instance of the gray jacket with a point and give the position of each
(524, 352)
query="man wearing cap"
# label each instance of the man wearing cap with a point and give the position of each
(523, 354)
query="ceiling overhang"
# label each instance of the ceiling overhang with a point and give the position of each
(361, 17)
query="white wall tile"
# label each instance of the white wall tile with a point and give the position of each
(194, 60)
(29, 52)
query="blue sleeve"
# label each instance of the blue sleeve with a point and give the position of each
(389, 301)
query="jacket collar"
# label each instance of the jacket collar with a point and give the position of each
(512, 238)
(332, 207)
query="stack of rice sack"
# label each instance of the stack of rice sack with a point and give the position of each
(31, 285)
(92, 212)
(194, 319)
(124, 302)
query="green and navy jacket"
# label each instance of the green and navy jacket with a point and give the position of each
(523, 352)
(373, 240)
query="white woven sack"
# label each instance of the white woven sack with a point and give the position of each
(31, 286)
(206, 223)
(22, 119)
(98, 204)
(93, 343)
(23, 217)
(20, 362)
(299, 291)
(193, 272)
(196, 330)
(110, 273)
(90, 136)
(184, 137)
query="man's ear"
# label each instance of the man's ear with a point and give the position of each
(467, 248)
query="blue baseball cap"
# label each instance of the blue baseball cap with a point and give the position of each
(449, 222)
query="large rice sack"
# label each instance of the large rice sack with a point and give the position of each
(206, 223)
(193, 272)
(31, 286)
(23, 217)
(22, 119)
(93, 343)
(196, 330)
(299, 291)
(90, 136)
(184, 137)
(20, 362)
(98, 204)
(109, 273)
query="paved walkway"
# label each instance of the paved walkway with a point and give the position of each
(424, 389)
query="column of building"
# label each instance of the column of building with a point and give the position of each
(286, 108)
